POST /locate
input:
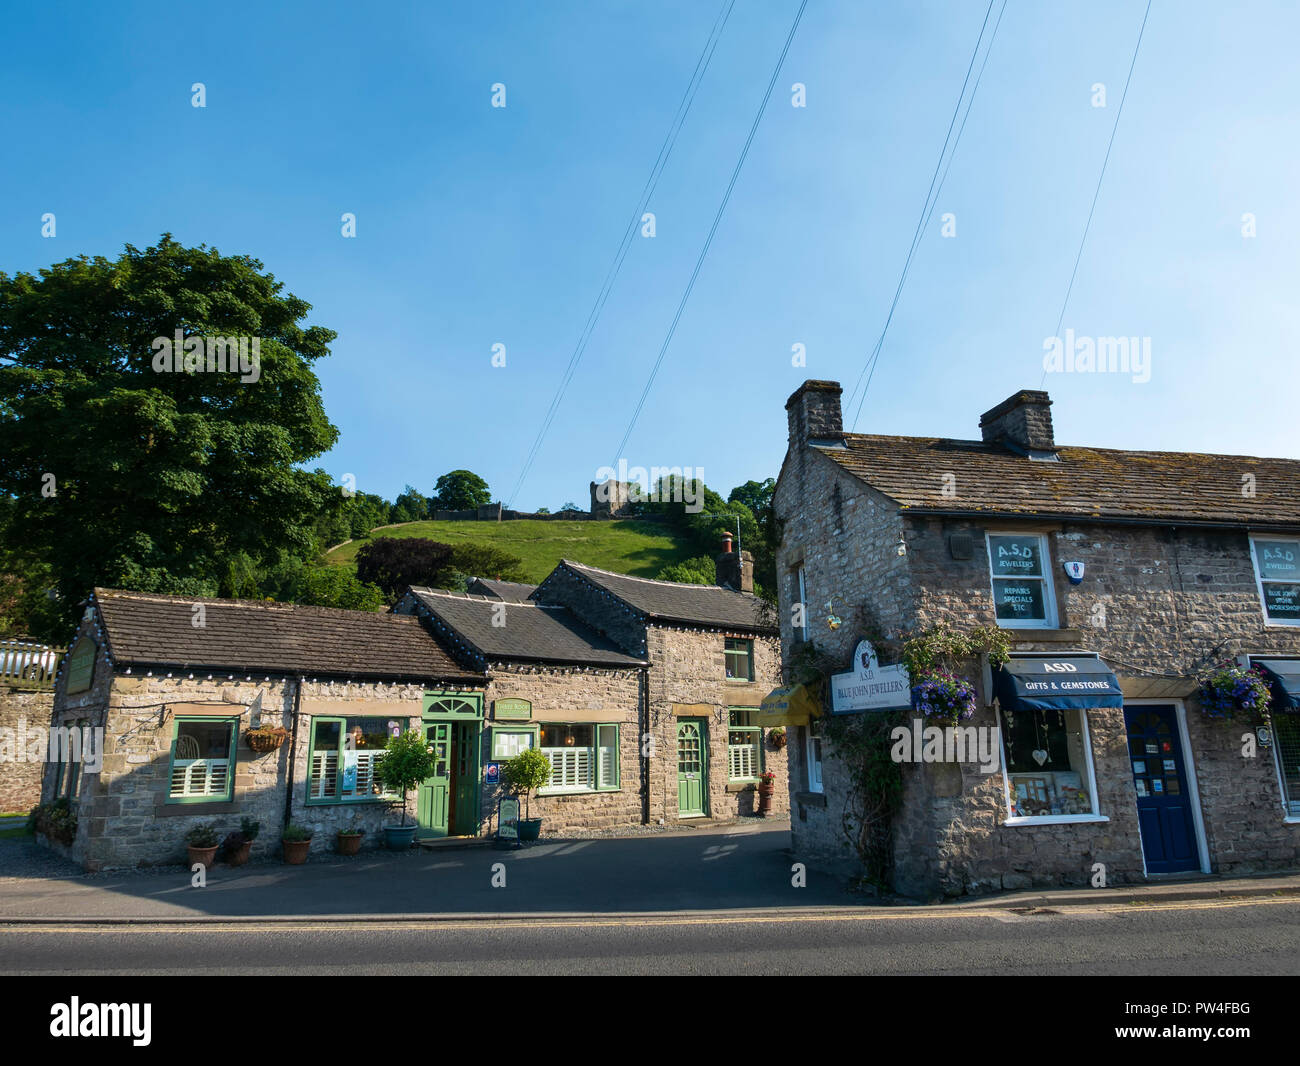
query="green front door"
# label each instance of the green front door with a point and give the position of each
(692, 767)
(433, 800)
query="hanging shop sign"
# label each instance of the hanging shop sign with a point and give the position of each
(870, 686)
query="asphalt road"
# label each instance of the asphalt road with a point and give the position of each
(1254, 936)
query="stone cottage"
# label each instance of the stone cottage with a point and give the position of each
(167, 689)
(1119, 577)
(643, 695)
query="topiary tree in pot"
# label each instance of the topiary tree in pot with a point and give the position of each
(408, 761)
(528, 770)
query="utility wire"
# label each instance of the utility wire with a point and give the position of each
(625, 244)
(1097, 192)
(708, 241)
(927, 209)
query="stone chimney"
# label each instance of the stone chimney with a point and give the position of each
(1022, 422)
(814, 413)
(735, 570)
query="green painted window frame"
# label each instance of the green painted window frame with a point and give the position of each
(232, 724)
(757, 743)
(434, 697)
(728, 652)
(340, 747)
(594, 761)
(534, 731)
(81, 665)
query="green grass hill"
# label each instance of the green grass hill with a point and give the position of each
(626, 546)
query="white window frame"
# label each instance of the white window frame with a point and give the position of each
(816, 782)
(587, 769)
(1049, 591)
(754, 746)
(1290, 805)
(1260, 579)
(802, 589)
(1052, 819)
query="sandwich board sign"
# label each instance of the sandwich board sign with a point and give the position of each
(868, 686)
(508, 818)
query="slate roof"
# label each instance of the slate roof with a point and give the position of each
(240, 636)
(670, 601)
(1091, 483)
(532, 632)
(510, 591)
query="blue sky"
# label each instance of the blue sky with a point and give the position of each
(480, 225)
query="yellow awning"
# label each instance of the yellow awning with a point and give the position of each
(792, 705)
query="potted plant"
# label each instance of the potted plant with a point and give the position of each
(348, 841)
(776, 737)
(766, 787)
(265, 738)
(528, 770)
(296, 840)
(408, 761)
(942, 697)
(201, 843)
(1230, 690)
(238, 844)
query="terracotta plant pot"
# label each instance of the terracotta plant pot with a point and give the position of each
(295, 851)
(207, 856)
(765, 791)
(238, 856)
(349, 843)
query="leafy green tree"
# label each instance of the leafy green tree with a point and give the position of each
(410, 506)
(460, 490)
(408, 761)
(697, 571)
(483, 560)
(392, 563)
(124, 474)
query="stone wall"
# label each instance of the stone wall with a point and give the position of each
(845, 536)
(21, 710)
(689, 680)
(1157, 604)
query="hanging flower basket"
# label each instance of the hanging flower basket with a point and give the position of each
(266, 738)
(943, 697)
(1232, 691)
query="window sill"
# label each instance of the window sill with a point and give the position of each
(1291, 819)
(738, 681)
(1047, 634)
(1059, 819)
(811, 799)
(561, 792)
(368, 801)
(742, 786)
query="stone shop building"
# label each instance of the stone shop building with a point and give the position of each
(643, 695)
(1119, 577)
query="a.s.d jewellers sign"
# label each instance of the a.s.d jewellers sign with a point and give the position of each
(870, 686)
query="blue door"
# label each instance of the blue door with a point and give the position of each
(1164, 803)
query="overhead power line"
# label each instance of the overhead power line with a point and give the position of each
(1100, 177)
(931, 200)
(611, 275)
(708, 241)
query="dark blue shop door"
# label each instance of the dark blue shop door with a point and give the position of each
(1164, 804)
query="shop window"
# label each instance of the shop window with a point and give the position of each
(1277, 571)
(203, 760)
(1286, 742)
(814, 755)
(739, 657)
(507, 743)
(1048, 770)
(583, 757)
(342, 758)
(1019, 567)
(744, 746)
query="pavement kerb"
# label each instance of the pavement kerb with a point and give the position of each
(1128, 895)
